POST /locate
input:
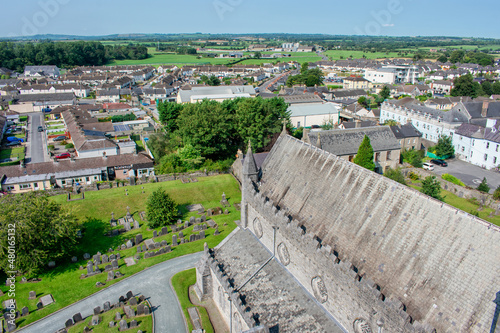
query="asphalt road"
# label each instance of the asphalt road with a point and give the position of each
(35, 152)
(471, 175)
(154, 283)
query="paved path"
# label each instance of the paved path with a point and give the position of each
(154, 283)
(36, 148)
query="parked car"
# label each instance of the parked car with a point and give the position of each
(40, 128)
(440, 162)
(60, 138)
(62, 156)
(13, 143)
(428, 166)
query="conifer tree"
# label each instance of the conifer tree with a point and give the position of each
(364, 157)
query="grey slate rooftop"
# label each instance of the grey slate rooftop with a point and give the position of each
(273, 293)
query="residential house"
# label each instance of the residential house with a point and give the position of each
(37, 102)
(220, 93)
(356, 82)
(345, 144)
(108, 95)
(442, 87)
(313, 114)
(38, 71)
(409, 137)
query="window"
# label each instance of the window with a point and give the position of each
(487, 145)
(88, 179)
(10, 187)
(377, 157)
(494, 160)
(63, 182)
(471, 154)
(496, 149)
(35, 185)
(24, 186)
(485, 157)
(351, 158)
(298, 124)
(463, 149)
(473, 142)
(388, 155)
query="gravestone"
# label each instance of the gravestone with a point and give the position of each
(86, 256)
(167, 249)
(118, 316)
(105, 258)
(114, 263)
(129, 244)
(202, 234)
(192, 220)
(47, 300)
(11, 325)
(39, 305)
(164, 230)
(99, 284)
(144, 248)
(196, 228)
(25, 311)
(95, 320)
(138, 239)
(77, 317)
(140, 309)
(211, 223)
(118, 256)
(174, 240)
(107, 307)
(68, 323)
(133, 323)
(164, 243)
(150, 244)
(210, 212)
(97, 310)
(127, 226)
(129, 311)
(32, 295)
(203, 218)
(174, 228)
(111, 324)
(136, 224)
(111, 275)
(52, 264)
(90, 268)
(146, 310)
(123, 325)
(155, 234)
(192, 237)
(226, 211)
(129, 294)
(133, 301)
(181, 234)
(216, 232)
(186, 224)
(139, 249)
(108, 268)
(128, 209)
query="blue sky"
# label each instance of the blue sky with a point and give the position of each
(372, 17)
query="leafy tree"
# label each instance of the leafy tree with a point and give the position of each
(298, 133)
(444, 146)
(483, 187)
(364, 157)
(385, 93)
(161, 209)
(442, 59)
(169, 112)
(363, 101)
(257, 55)
(465, 86)
(391, 122)
(432, 187)
(457, 56)
(395, 175)
(487, 88)
(190, 157)
(214, 81)
(44, 231)
(414, 157)
(496, 88)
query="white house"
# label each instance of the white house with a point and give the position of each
(313, 114)
(478, 145)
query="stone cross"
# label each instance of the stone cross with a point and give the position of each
(223, 196)
(128, 211)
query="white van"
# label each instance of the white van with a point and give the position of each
(428, 166)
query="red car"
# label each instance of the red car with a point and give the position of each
(62, 156)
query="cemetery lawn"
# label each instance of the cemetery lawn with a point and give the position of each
(144, 323)
(181, 282)
(64, 282)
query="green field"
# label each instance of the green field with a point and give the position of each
(345, 54)
(94, 211)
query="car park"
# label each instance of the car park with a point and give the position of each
(439, 162)
(60, 138)
(62, 156)
(428, 166)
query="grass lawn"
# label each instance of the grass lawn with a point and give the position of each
(138, 142)
(12, 152)
(64, 281)
(337, 54)
(158, 58)
(465, 205)
(181, 282)
(144, 323)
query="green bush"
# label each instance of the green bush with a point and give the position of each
(483, 187)
(69, 145)
(452, 179)
(413, 175)
(395, 175)
(51, 147)
(496, 194)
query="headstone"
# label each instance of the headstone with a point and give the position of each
(226, 211)
(203, 218)
(112, 257)
(136, 224)
(146, 310)
(118, 274)
(133, 301)
(11, 325)
(155, 233)
(211, 223)
(139, 249)
(202, 234)
(157, 245)
(196, 228)
(74, 259)
(123, 325)
(118, 256)
(167, 249)
(99, 284)
(77, 317)
(144, 248)
(68, 323)
(47, 300)
(133, 323)
(118, 316)
(164, 230)
(128, 208)
(127, 226)
(25, 311)
(174, 240)
(97, 310)
(95, 320)
(138, 239)
(111, 324)
(223, 196)
(86, 329)
(107, 307)
(210, 212)
(129, 294)
(150, 244)
(129, 311)
(216, 232)
(174, 228)
(186, 224)
(105, 258)
(114, 263)
(129, 244)
(192, 237)
(86, 256)
(32, 295)
(164, 243)
(39, 305)
(192, 220)
(181, 234)
(140, 309)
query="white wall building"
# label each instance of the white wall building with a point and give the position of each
(309, 114)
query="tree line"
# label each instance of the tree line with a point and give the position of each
(208, 134)
(16, 56)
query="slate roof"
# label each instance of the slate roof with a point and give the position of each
(470, 131)
(348, 93)
(359, 124)
(273, 293)
(405, 131)
(347, 141)
(474, 109)
(309, 109)
(58, 97)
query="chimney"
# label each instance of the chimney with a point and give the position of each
(484, 110)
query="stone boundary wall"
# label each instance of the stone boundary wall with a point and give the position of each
(335, 282)
(460, 191)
